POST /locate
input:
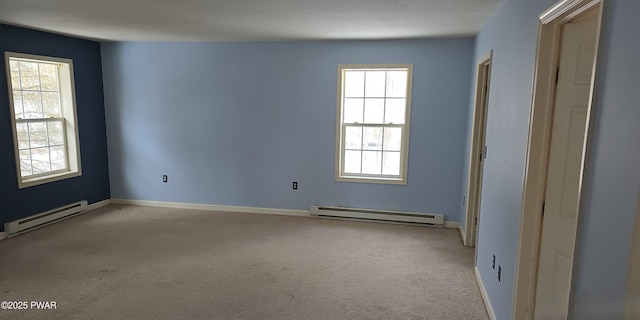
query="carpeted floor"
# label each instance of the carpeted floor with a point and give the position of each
(127, 262)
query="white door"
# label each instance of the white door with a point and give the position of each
(483, 153)
(564, 173)
(477, 153)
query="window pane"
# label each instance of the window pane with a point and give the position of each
(373, 110)
(353, 110)
(15, 74)
(354, 84)
(25, 163)
(32, 105)
(22, 131)
(56, 133)
(353, 138)
(58, 158)
(392, 139)
(17, 104)
(51, 105)
(375, 84)
(397, 84)
(391, 163)
(40, 160)
(29, 75)
(38, 135)
(48, 77)
(394, 111)
(37, 95)
(372, 139)
(371, 162)
(352, 161)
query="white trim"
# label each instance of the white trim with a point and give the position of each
(478, 131)
(28, 182)
(99, 204)
(67, 95)
(211, 207)
(485, 295)
(535, 174)
(380, 180)
(562, 10)
(404, 154)
(455, 225)
(452, 224)
(3, 235)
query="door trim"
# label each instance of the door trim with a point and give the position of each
(483, 79)
(540, 123)
(633, 278)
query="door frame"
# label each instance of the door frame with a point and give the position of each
(478, 129)
(633, 277)
(540, 123)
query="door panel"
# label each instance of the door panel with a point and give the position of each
(571, 168)
(565, 164)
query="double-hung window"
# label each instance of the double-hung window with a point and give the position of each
(43, 114)
(374, 103)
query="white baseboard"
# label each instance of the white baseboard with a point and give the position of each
(3, 235)
(462, 235)
(455, 225)
(99, 204)
(452, 224)
(485, 296)
(211, 207)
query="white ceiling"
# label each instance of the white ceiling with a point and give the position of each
(250, 20)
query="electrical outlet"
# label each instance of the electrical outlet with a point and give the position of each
(499, 273)
(165, 178)
(493, 264)
(295, 185)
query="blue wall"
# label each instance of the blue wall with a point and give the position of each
(612, 177)
(236, 123)
(93, 185)
(511, 33)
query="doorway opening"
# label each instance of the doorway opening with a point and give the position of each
(477, 152)
(565, 70)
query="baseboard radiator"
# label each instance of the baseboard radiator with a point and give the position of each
(40, 220)
(378, 215)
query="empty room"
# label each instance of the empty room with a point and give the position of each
(440, 159)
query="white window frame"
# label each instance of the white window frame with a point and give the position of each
(340, 149)
(69, 118)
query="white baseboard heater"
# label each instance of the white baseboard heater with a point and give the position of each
(378, 215)
(39, 220)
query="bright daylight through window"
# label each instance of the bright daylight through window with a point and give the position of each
(374, 104)
(43, 114)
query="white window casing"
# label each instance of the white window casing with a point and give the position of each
(372, 123)
(43, 118)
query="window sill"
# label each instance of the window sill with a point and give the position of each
(30, 182)
(357, 179)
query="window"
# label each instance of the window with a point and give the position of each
(43, 114)
(373, 123)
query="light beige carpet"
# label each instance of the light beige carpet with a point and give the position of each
(126, 262)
